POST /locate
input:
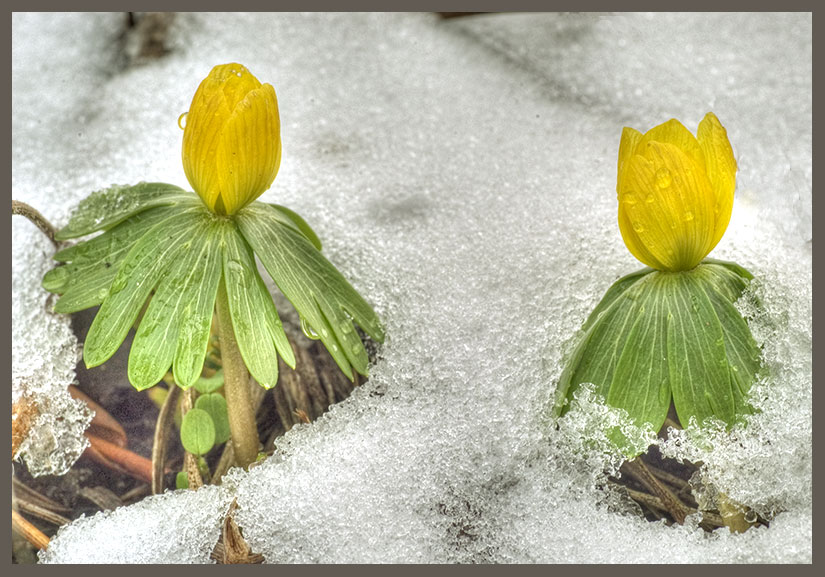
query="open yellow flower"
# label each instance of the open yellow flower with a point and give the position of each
(675, 192)
(232, 139)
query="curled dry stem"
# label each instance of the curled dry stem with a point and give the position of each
(165, 419)
(23, 209)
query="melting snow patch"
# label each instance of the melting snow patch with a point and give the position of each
(467, 189)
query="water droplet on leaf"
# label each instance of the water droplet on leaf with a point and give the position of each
(118, 284)
(308, 331)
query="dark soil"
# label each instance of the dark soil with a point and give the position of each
(302, 395)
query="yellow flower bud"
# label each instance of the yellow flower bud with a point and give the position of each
(675, 192)
(232, 139)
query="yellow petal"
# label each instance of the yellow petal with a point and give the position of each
(721, 169)
(673, 132)
(248, 155)
(627, 146)
(204, 123)
(666, 208)
(235, 82)
(231, 141)
(634, 243)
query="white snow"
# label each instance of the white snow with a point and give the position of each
(462, 175)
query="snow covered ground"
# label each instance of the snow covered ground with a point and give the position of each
(462, 175)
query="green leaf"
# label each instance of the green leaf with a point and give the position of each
(737, 270)
(215, 405)
(92, 265)
(744, 356)
(197, 432)
(181, 480)
(699, 370)
(300, 223)
(321, 295)
(659, 335)
(595, 357)
(197, 304)
(205, 385)
(104, 209)
(177, 322)
(648, 335)
(615, 291)
(258, 329)
(730, 358)
(145, 264)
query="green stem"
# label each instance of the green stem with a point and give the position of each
(236, 387)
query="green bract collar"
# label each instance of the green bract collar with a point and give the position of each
(158, 237)
(661, 336)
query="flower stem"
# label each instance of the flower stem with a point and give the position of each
(236, 387)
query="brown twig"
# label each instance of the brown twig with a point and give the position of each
(31, 533)
(23, 209)
(40, 512)
(103, 425)
(672, 505)
(22, 491)
(135, 494)
(165, 419)
(102, 497)
(652, 502)
(119, 459)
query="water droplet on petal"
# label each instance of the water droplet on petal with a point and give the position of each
(637, 226)
(182, 120)
(688, 216)
(650, 199)
(663, 178)
(629, 198)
